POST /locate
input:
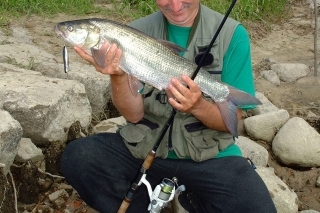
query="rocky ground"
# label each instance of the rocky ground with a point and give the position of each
(290, 40)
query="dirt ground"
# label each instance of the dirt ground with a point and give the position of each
(290, 40)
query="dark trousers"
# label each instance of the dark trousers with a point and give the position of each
(101, 169)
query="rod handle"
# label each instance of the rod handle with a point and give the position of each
(124, 206)
(149, 159)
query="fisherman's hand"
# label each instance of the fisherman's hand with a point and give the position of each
(186, 96)
(112, 58)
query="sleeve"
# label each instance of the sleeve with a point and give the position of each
(237, 66)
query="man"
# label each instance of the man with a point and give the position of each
(197, 149)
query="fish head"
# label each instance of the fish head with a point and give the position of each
(82, 33)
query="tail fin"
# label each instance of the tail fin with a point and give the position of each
(240, 98)
(228, 108)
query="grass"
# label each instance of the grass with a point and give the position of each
(132, 9)
(10, 9)
(244, 10)
(44, 7)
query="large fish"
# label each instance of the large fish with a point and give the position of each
(151, 61)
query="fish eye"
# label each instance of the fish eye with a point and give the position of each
(70, 28)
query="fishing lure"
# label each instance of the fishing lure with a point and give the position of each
(65, 59)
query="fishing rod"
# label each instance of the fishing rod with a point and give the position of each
(141, 176)
(205, 54)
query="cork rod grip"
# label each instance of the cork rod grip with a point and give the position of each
(124, 205)
(149, 159)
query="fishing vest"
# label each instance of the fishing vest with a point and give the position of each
(187, 136)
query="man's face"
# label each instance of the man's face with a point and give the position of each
(179, 12)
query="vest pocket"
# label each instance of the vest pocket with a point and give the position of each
(201, 46)
(133, 134)
(201, 142)
(140, 137)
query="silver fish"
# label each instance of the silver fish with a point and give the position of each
(151, 61)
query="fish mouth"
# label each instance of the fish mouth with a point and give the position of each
(59, 32)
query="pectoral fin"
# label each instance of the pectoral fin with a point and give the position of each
(99, 55)
(135, 85)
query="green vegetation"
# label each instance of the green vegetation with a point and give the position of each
(132, 9)
(44, 7)
(16, 8)
(243, 10)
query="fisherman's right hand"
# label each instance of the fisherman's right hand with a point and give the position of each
(112, 58)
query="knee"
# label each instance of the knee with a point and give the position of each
(75, 158)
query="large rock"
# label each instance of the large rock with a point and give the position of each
(290, 72)
(265, 126)
(109, 125)
(97, 85)
(10, 135)
(27, 151)
(297, 143)
(20, 49)
(45, 107)
(255, 152)
(271, 76)
(309, 211)
(265, 107)
(12, 68)
(25, 54)
(285, 200)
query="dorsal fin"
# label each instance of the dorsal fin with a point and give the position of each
(172, 46)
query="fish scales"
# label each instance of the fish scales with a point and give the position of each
(141, 56)
(152, 62)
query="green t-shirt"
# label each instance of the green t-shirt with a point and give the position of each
(236, 72)
(237, 68)
(178, 35)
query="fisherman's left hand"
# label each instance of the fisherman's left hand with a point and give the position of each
(112, 58)
(183, 98)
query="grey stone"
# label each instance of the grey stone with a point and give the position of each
(45, 107)
(28, 151)
(10, 135)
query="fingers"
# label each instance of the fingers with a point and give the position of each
(111, 51)
(178, 90)
(83, 54)
(169, 93)
(111, 54)
(191, 84)
(117, 55)
(184, 88)
(186, 94)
